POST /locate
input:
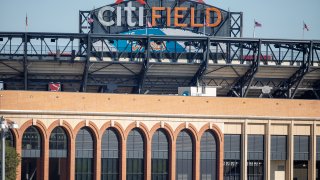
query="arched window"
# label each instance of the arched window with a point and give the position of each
(58, 145)
(160, 156)
(110, 155)
(184, 162)
(135, 155)
(31, 153)
(31, 143)
(84, 155)
(208, 157)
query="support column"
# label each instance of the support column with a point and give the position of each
(97, 159)
(19, 151)
(267, 150)
(289, 164)
(123, 170)
(148, 160)
(46, 150)
(221, 159)
(244, 149)
(72, 159)
(172, 176)
(25, 61)
(313, 155)
(197, 161)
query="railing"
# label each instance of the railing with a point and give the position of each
(163, 49)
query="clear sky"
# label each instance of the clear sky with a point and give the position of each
(279, 18)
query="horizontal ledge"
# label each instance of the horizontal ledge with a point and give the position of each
(127, 114)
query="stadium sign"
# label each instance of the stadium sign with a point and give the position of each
(212, 16)
(190, 16)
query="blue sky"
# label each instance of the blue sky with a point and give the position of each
(279, 18)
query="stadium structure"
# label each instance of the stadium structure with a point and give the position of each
(161, 90)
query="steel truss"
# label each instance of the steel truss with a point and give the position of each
(242, 86)
(94, 62)
(295, 79)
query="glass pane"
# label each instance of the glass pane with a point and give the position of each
(135, 155)
(208, 152)
(109, 155)
(184, 153)
(31, 139)
(84, 154)
(58, 143)
(160, 153)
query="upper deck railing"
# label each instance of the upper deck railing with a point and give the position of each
(160, 49)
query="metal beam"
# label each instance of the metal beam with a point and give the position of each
(83, 87)
(203, 66)
(295, 79)
(236, 23)
(25, 61)
(316, 89)
(242, 86)
(145, 67)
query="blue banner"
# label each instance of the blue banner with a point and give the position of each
(137, 46)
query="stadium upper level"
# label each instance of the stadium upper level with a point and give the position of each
(156, 47)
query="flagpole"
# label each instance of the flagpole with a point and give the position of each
(254, 28)
(26, 23)
(303, 29)
(147, 23)
(204, 25)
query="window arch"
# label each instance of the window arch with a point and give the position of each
(84, 154)
(160, 156)
(58, 143)
(208, 156)
(184, 156)
(135, 155)
(31, 153)
(31, 142)
(110, 155)
(58, 153)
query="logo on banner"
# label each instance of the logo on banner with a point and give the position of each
(178, 15)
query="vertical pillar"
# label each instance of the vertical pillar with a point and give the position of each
(45, 150)
(244, 149)
(72, 158)
(123, 170)
(289, 164)
(221, 158)
(25, 61)
(267, 150)
(97, 159)
(19, 151)
(313, 155)
(197, 161)
(173, 159)
(148, 160)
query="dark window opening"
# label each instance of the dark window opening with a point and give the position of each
(84, 155)
(208, 157)
(135, 155)
(184, 155)
(160, 156)
(110, 155)
(232, 157)
(255, 163)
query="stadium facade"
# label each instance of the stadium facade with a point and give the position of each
(164, 49)
(113, 136)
